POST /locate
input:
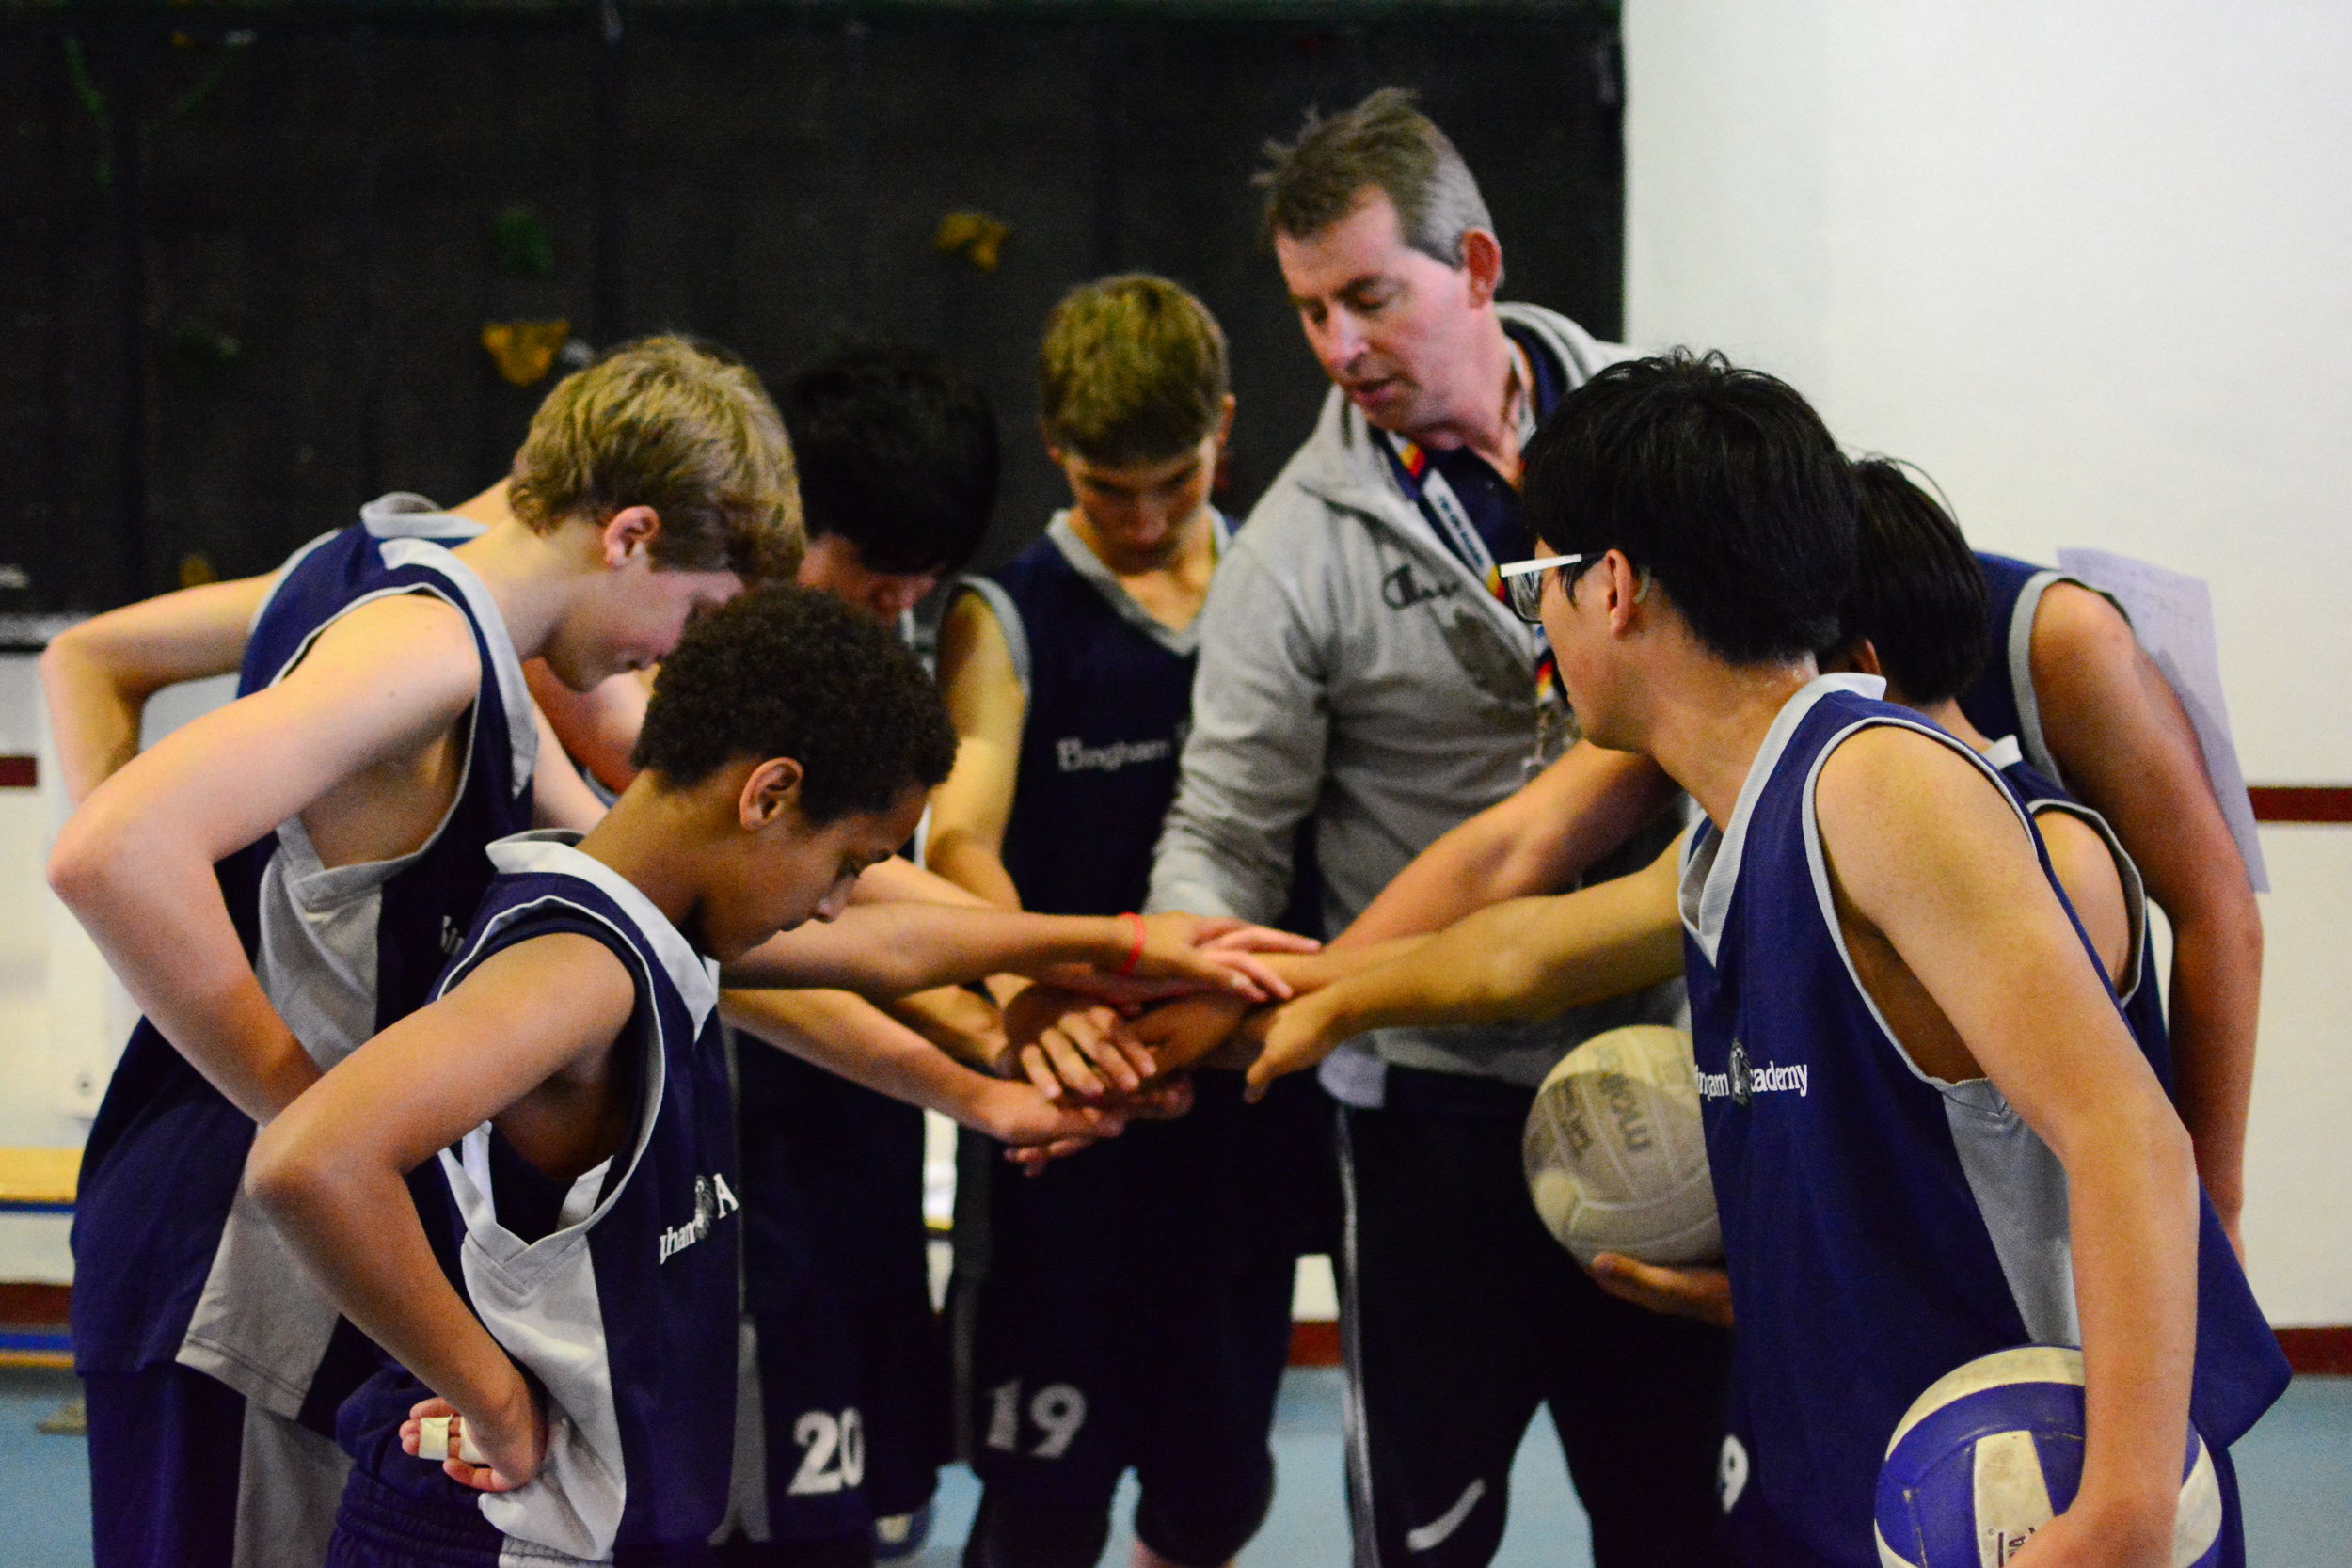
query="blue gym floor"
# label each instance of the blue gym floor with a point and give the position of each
(2295, 1471)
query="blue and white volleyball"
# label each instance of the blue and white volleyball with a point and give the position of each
(1615, 1155)
(1993, 1450)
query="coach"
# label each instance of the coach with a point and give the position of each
(1358, 666)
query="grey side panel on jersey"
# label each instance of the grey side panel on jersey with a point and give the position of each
(2020, 1189)
(992, 595)
(289, 1482)
(2017, 1182)
(747, 1480)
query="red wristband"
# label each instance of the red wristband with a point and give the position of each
(1134, 952)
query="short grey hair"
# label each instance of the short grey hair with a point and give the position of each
(1384, 144)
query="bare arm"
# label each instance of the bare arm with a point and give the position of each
(847, 1037)
(1538, 841)
(1931, 859)
(135, 863)
(884, 950)
(2119, 734)
(1525, 959)
(97, 676)
(988, 708)
(330, 1170)
(599, 727)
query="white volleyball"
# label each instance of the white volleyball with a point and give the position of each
(1616, 1157)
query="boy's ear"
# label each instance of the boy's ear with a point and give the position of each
(1225, 423)
(1627, 589)
(1864, 655)
(630, 528)
(772, 790)
(1481, 257)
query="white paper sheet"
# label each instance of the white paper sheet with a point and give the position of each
(2172, 616)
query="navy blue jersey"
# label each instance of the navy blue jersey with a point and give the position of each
(1881, 1227)
(1109, 696)
(2002, 701)
(616, 1291)
(340, 952)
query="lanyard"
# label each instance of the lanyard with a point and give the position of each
(1429, 489)
(1433, 493)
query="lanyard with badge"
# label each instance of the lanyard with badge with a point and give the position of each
(1429, 490)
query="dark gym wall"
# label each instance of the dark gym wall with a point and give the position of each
(250, 253)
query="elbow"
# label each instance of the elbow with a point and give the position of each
(80, 863)
(280, 1174)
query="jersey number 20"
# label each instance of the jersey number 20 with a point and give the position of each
(833, 1451)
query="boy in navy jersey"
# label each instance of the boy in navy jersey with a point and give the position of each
(1130, 1306)
(564, 1279)
(282, 877)
(2092, 713)
(1980, 1156)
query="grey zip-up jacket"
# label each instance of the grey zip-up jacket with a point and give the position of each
(1354, 670)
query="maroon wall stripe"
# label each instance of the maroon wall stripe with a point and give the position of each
(2317, 1351)
(2301, 802)
(19, 774)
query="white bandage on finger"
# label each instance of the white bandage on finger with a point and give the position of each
(432, 1436)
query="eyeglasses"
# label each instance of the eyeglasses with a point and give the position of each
(1523, 584)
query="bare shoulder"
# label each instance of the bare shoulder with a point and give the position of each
(558, 998)
(2078, 854)
(412, 654)
(2079, 637)
(970, 635)
(1894, 766)
(1892, 796)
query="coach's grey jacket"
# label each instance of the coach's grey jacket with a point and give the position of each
(1354, 669)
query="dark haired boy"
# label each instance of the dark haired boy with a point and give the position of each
(1975, 1155)
(898, 460)
(282, 877)
(564, 1279)
(2093, 713)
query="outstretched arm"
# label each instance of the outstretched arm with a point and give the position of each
(99, 675)
(331, 1170)
(1527, 959)
(1931, 868)
(846, 1035)
(2119, 734)
(884, 950)
(135, 863)
(1538, 841)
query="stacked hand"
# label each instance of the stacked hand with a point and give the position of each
(1295, 1036)
(1081, 1058)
